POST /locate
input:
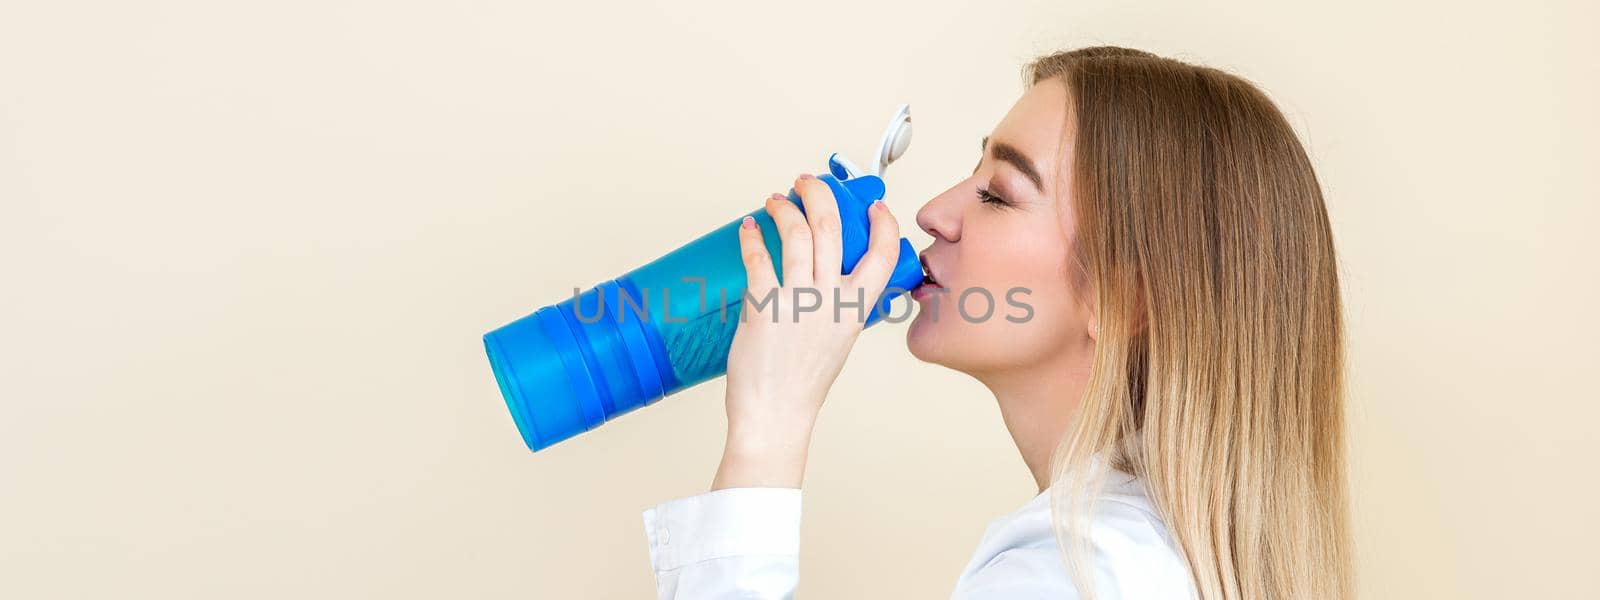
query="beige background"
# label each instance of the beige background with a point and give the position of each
(248, 250)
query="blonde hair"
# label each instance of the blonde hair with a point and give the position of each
(1217, 379)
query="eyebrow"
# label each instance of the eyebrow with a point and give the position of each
(1008, 153)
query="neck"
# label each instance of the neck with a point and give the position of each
(1037, 402)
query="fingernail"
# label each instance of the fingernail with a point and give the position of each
(806, 176)
(749, 222)
(877, 204)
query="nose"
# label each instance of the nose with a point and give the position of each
(941, 216)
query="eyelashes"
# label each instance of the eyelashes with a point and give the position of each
(987, 197)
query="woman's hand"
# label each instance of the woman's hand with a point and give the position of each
(792, 340)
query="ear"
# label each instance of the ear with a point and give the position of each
(1140, 319)
(1088, 309)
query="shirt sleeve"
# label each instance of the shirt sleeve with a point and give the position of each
(727, 543)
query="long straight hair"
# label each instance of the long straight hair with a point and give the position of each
(1217, 378)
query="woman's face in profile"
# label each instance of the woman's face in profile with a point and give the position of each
(1000, 249)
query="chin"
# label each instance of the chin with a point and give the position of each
(972, 348)
(919, 340)
(933, 341)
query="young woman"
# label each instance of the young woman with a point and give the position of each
(1176, 390)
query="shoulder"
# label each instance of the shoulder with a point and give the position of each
(1132, 554)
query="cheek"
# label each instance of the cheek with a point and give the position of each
(1028, 263)
(1032, 289)
(1021, 275)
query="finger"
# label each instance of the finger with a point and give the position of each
(883, 251)
(795, 236)
(822, 212)
(758, 274)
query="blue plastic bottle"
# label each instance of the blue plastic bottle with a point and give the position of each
(660, 328)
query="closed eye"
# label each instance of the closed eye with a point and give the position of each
(987, 197)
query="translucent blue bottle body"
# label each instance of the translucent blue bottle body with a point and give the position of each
(660, 328)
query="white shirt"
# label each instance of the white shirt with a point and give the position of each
(745, 543)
